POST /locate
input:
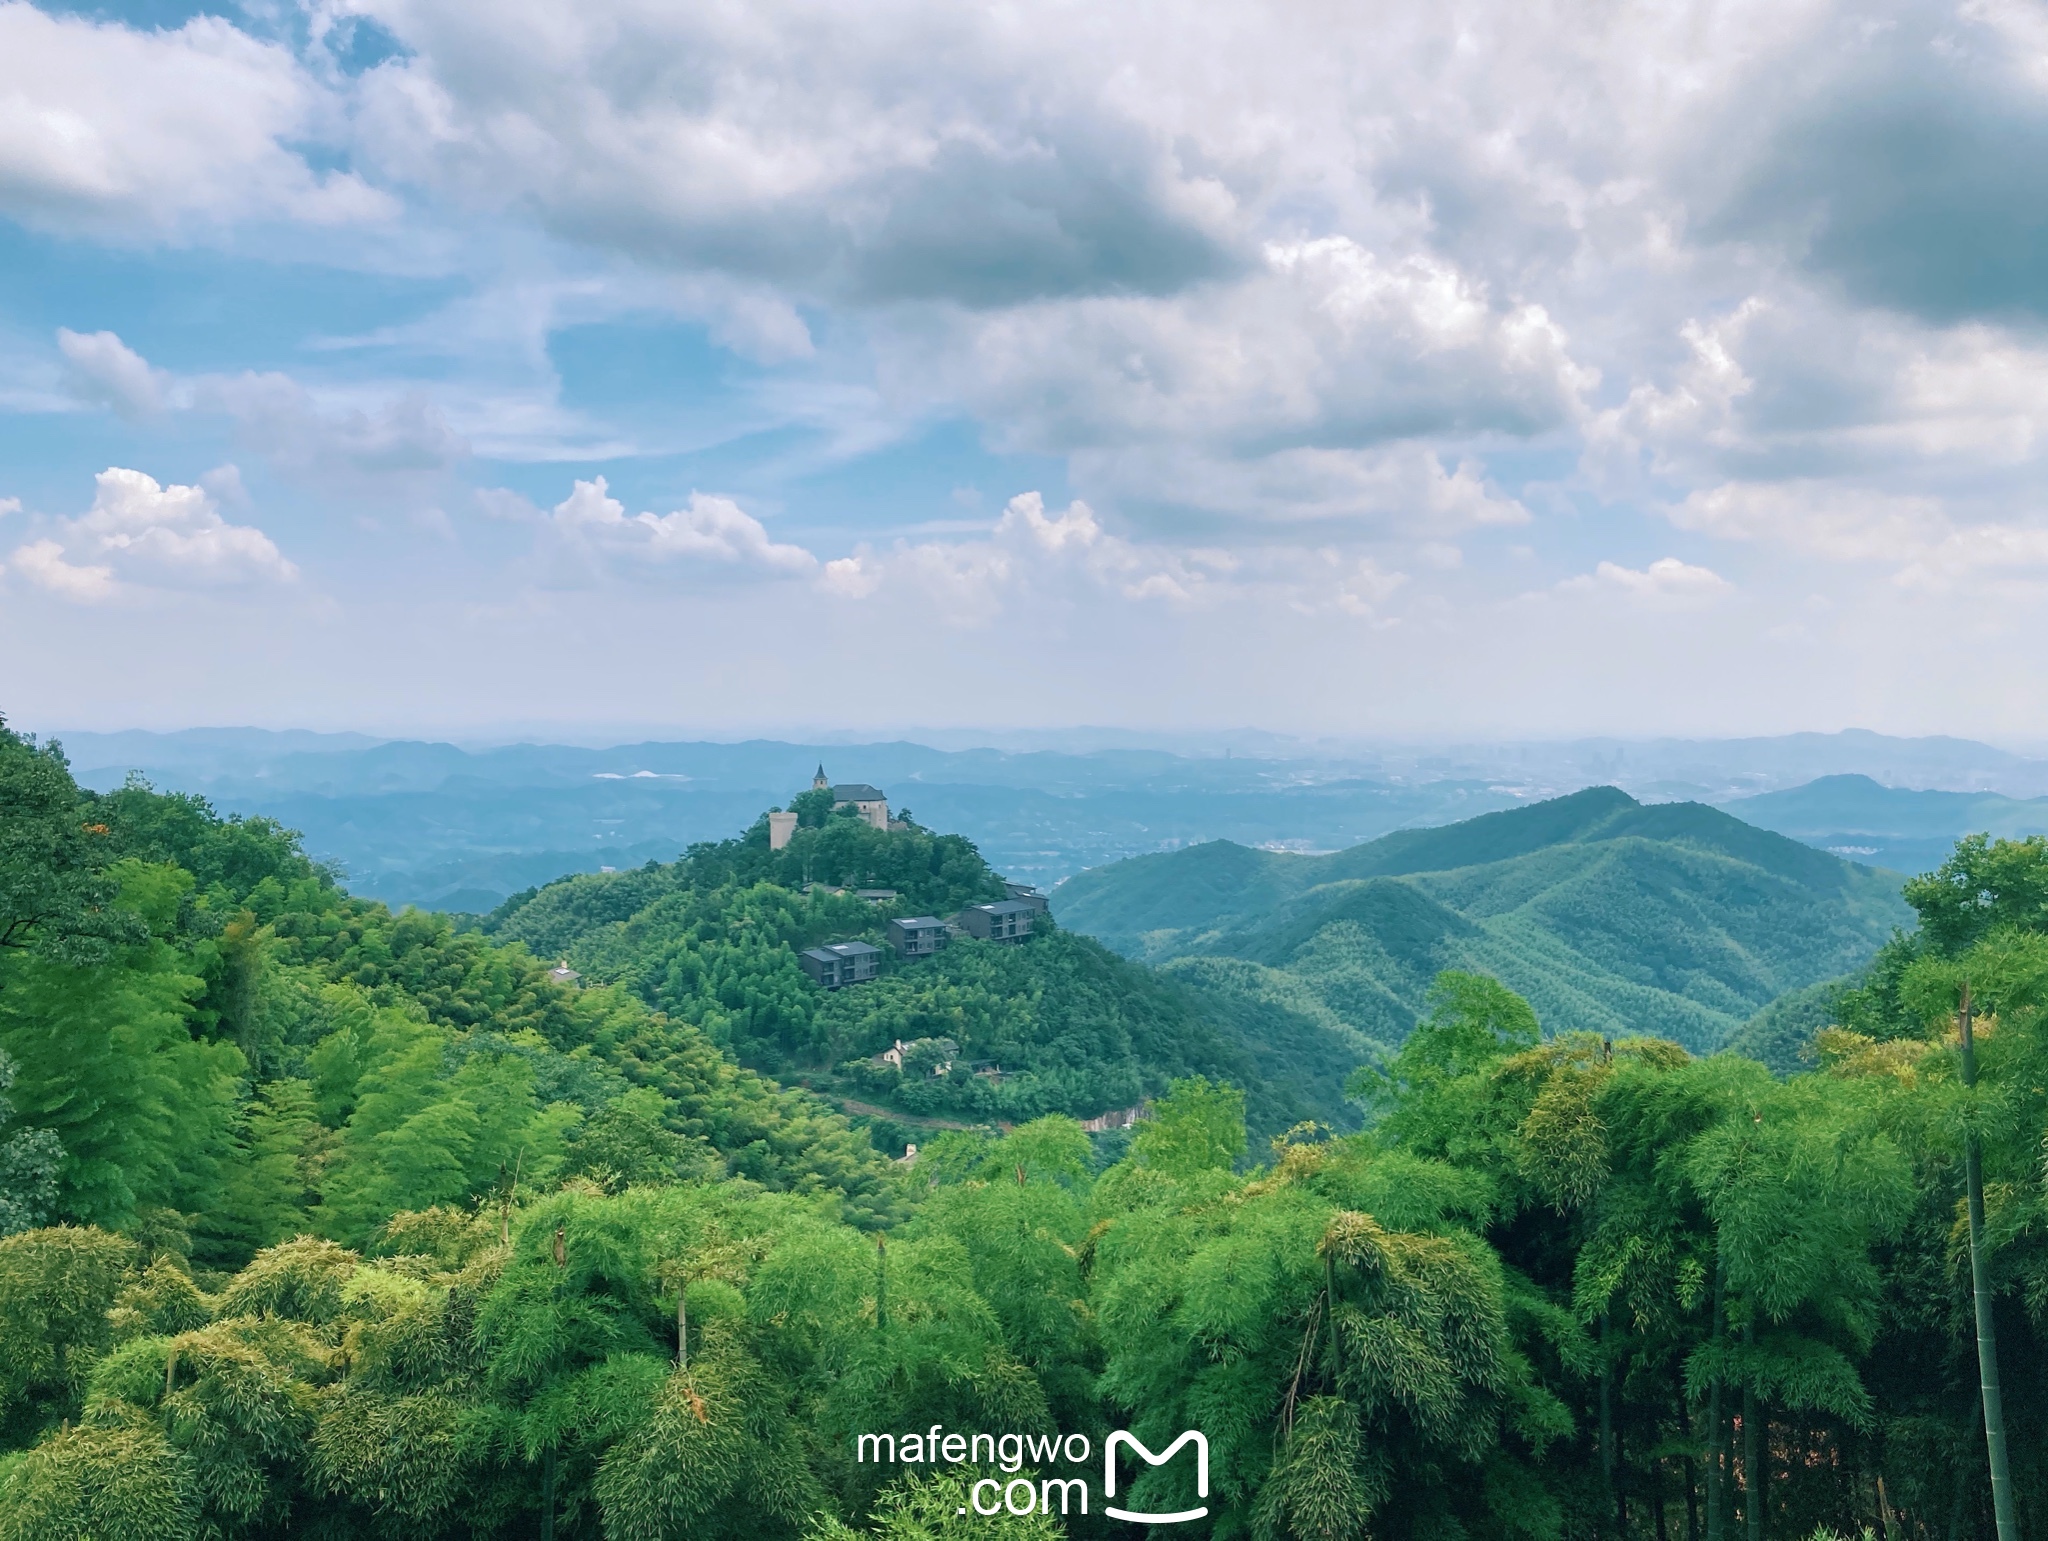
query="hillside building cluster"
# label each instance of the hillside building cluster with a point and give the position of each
(839, 964)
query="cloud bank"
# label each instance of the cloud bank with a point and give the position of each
(1690, 332)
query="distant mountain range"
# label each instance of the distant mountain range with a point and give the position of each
(453, 827)
(1608, 914)
(1896, 827)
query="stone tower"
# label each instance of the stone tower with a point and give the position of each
(818, 782)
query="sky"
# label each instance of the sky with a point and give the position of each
(446, 367)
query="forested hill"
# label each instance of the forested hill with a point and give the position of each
(1059, 1024)
(320, 1223)
(1609, 915)
(208, 1037)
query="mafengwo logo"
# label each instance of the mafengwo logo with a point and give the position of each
(991, 1496)
(1125, 1437)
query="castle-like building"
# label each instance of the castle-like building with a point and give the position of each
(871, 803)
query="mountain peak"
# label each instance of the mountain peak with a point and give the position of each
(1606, 913)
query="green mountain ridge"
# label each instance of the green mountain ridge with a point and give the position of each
(1608, 915)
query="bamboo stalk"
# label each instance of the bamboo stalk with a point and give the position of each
(1980, 1283)
(1717, 1437)
(1606, 1417)
(1753, 1483)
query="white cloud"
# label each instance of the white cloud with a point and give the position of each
(1029, 560)
(108, 371)
(711, 530)
(1918, 538)
(42, 563)
(1666, 582)
(139, 532)
(2010, 556)
(1396, 489)
(799, 144)
(1283, 394)
(1024, 519)
(851, 577)
(136, 134)
(1250, 292)
(1799, 386)
(1844, 524)
(1101, 245)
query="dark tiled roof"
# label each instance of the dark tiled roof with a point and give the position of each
(920, 922)
(1007, 907)
(858, 792)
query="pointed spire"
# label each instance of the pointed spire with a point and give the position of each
(818, 782)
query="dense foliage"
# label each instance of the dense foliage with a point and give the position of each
(221, 1042)
(333, 1223)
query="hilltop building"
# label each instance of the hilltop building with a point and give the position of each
(871, 803)
(1008, 920)
(918, 937)
(839, 964)
(1024, 893)
(564, 975)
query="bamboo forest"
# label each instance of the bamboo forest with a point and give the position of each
(319, 1220)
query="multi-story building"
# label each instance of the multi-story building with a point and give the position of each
(1024, 893)
(838, 964)
(918, 937)
(1007, 920)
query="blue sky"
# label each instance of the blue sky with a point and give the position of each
(430, 366)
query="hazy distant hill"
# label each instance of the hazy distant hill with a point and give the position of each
(1610, 915)
(1896, 827)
